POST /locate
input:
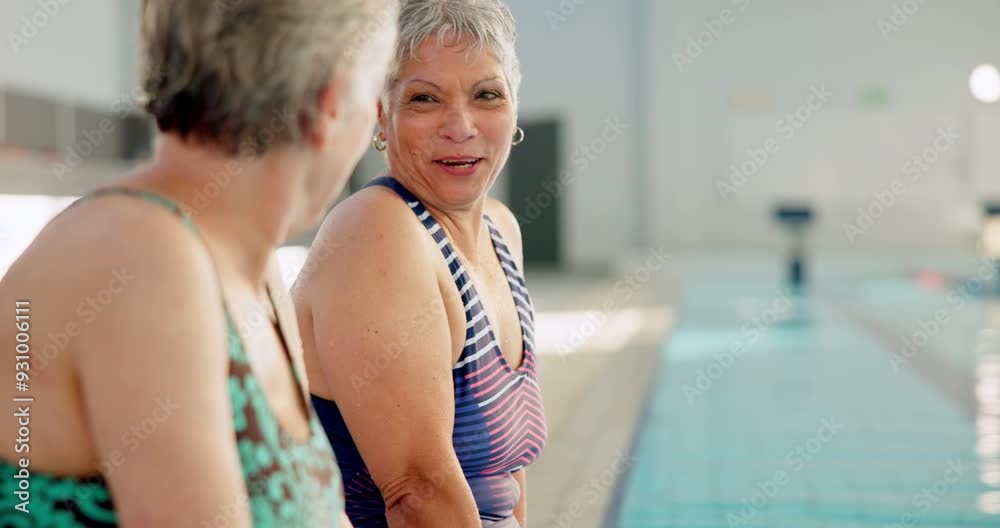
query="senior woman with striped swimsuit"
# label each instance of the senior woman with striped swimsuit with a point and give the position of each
(418, 335)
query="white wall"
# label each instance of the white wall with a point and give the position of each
(581, 70)
(658, 183)
(130, 14)
(769, 57)
(77, 55)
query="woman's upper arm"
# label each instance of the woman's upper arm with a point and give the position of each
(153, 371)
(384, 342)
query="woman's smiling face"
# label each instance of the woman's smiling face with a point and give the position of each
(450, 122)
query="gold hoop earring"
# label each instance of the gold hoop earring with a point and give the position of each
(519, 136)
(379, 143)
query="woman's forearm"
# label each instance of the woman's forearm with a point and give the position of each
(521, 508)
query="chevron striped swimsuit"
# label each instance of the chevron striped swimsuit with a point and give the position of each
(499, 417)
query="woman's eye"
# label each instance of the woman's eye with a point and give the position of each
(489, 96)
(422, 98)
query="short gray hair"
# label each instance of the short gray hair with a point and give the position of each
(488, 23)
(220, 71)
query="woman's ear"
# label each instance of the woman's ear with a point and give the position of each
(382, 121)
(327, 110)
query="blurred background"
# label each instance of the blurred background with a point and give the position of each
(760, 235)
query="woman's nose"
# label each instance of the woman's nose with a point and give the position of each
(458, 125)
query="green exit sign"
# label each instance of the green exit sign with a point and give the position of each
(874, 97)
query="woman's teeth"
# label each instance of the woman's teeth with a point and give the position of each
(464, 163)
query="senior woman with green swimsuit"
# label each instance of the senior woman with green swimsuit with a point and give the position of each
(175, 401)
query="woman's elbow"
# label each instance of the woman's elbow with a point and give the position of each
(410, 491)
(426, 495)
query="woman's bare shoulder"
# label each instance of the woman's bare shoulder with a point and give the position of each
(370, 214)
(372, 230)
(86, 243)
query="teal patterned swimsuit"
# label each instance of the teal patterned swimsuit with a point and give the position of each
(290, 483)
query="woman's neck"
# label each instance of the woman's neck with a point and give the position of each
(464, 229)
(462, 223)
(238, 205)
